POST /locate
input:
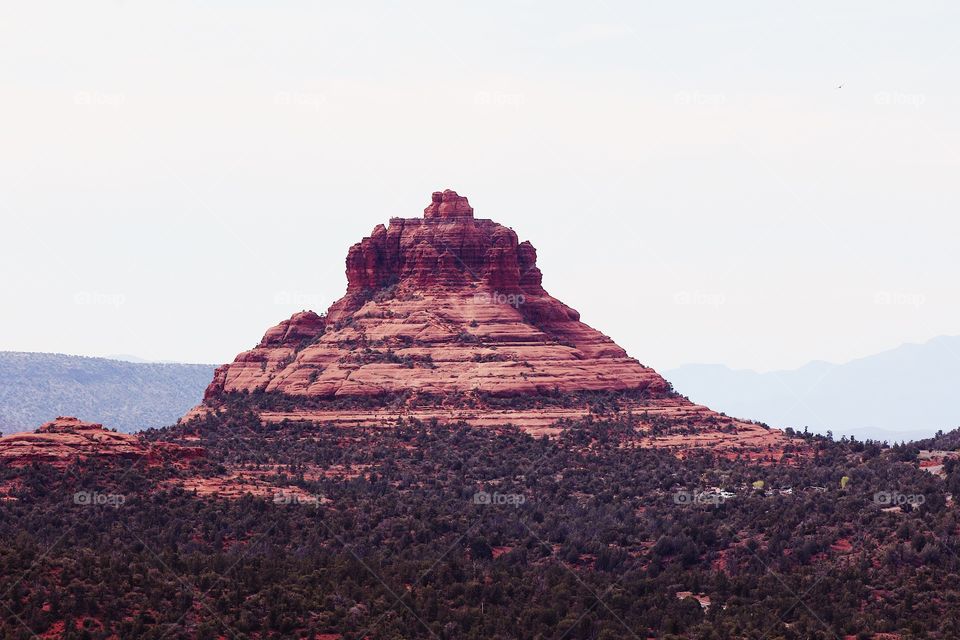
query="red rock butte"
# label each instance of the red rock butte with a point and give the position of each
(449, 308)
(68, 439)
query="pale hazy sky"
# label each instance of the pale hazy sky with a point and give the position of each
(175, 177)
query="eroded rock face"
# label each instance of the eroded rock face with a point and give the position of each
(68, 439)
(439, 304)
(448, 204)
(451, 306)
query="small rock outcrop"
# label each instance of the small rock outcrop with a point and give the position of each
(68, 439)
(448, 204)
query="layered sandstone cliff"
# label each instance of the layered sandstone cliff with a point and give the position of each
(439, 304)
(450, 307)
(68, 439)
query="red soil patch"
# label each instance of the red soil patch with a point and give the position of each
(842, 546)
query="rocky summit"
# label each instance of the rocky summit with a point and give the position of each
(445, 317)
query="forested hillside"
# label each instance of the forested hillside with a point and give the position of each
(36, 387)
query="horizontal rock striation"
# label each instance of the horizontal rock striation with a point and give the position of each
(67, 439)
(444, 303)
(450, 306)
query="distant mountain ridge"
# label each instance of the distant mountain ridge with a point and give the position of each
(905, 393)
(37, 387)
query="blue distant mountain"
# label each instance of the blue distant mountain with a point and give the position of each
(127, 396)
(902, 394)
